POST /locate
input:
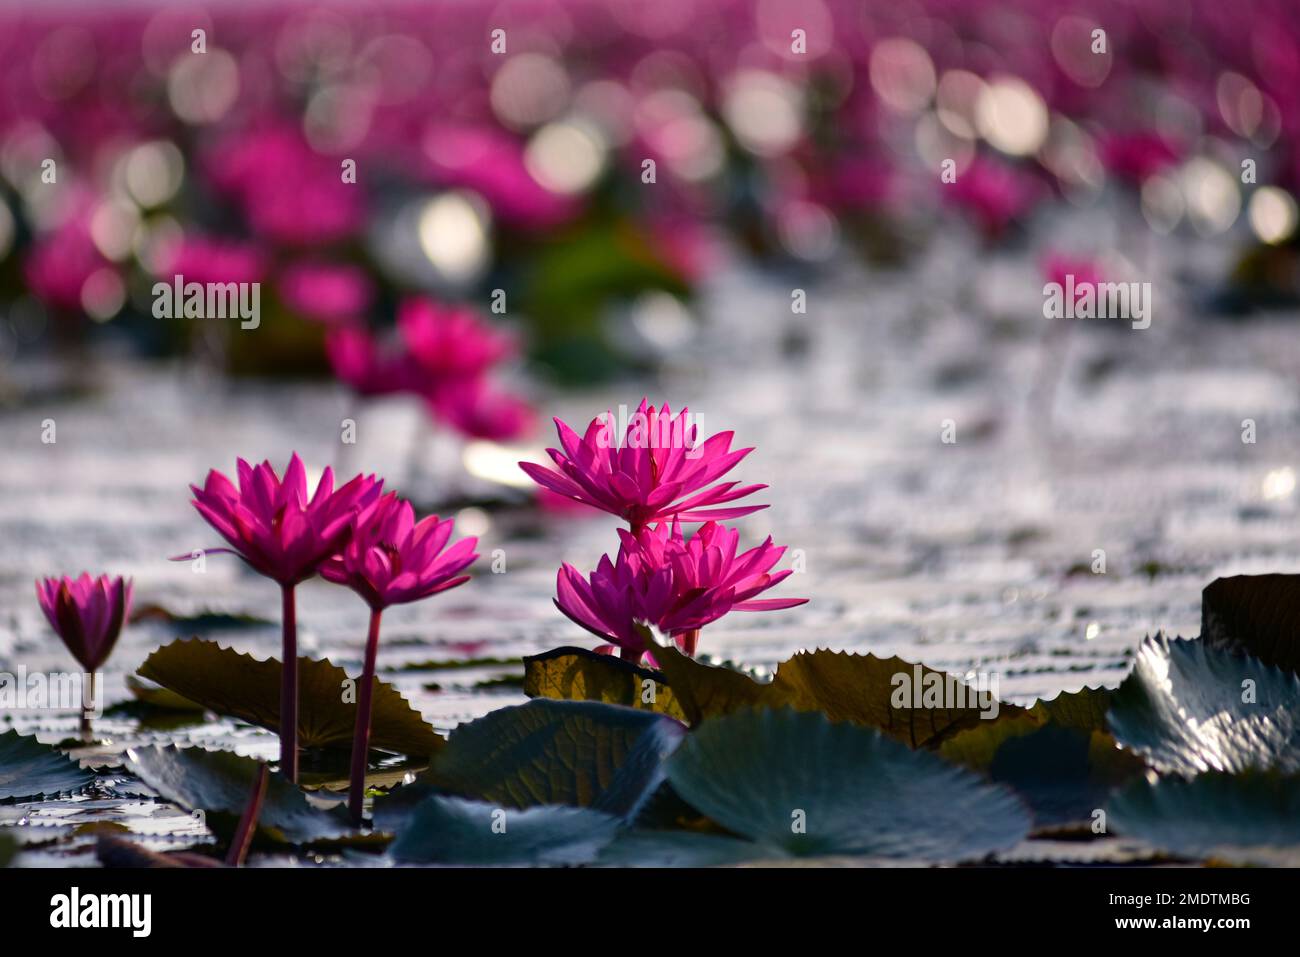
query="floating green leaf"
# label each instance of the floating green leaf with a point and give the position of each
(798, 784)
(156, 696)
(578, 753)
(1058, 755)
(8, 848)
(1247, 818)
(1258, 615)
(650, 848)
(448, 830)
(575, 674)
(219, 784)
(907, 701)
(1188, 708)
(29, 769)
(706, 691)
(241, 686)
(198, 623)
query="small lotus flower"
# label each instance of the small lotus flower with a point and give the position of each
(87, 613)
(660, 472)
(281, 533)
(391, 559)
(677, 586)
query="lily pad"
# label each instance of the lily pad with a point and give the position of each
(241, 686)
(448, 830)
(199, 623)
(219, 784)
(651, 848)
(1187, 708)
(1247, 818)
(29, 769)
(1258, 615)
(577, 753)
(908, 702)
(704, 691)
(575, 674)
(155, 696)
(867, 690)
(797, 784)
(1059, 755)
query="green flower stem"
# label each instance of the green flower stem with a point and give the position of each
(361, 736)
(289, 687)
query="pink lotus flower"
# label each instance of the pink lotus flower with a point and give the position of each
(450, 341)
(87, 613)
(391, 559)
(677, 586)
(272, 524)
(652, 476)
(281, 533)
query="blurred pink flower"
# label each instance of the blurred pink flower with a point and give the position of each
(1064, 270)
(272, 524)
(448, 341)
(491, 163)
(331, 293)
(87, 613)
(994, 193)
(644, 479)
(288, 192)
(478, 410)
(391, 559)
(675, 585)
(1136, 157)
(206, 259)
(58, 265)
(856, 182)
(61, 260)
(686, 245)
(366, 366)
